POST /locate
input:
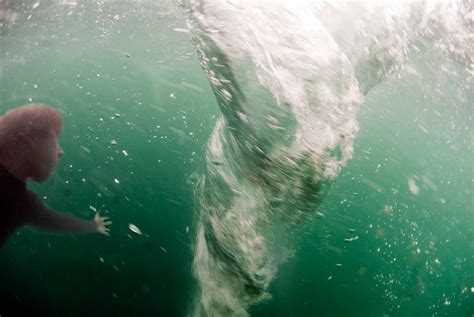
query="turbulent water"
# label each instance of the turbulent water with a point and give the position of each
(289, 78)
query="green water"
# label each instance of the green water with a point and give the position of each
(413, 255)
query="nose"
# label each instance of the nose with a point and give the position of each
(60, 152)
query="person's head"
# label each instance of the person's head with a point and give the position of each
(29, 146)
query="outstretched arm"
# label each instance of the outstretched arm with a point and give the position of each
(42, 217)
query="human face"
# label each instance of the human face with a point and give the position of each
(48, 153)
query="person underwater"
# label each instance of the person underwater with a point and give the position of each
(29, 151)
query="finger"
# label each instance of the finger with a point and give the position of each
(107, 222)
(105, 218)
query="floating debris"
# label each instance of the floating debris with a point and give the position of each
(217, 163)
(113, 142)
(116, 181)
(164, 250)
(101, 259)
(117, 115)
(125, 153)
(134, 229)
(351, 239)
(187, 229)
(352, 230)
(128, 55)
(330, 278)
(338, 264)
(93, 208)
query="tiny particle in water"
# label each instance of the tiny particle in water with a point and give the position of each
(125, 153)
(351, 239)
(181, 30)
(116, 181)
(116, 17)
(134, 229)
(164, 250)
(101, 259)
(413, 187)
(30, 99)
(472, 289)
(35, 86)
(387, 209)
(330, 278)
(352, 230)
(319, 215)
(117, 115)
(172, 96)
(338, 264)
(187, 229)
(35, 5)
(113, 142)
(93, 208)
(127, 55)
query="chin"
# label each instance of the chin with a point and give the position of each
(40, 178)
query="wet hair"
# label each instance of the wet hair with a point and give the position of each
(22, 128)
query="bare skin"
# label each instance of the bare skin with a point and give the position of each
(29, 151)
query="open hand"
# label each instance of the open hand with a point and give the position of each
(102, 223)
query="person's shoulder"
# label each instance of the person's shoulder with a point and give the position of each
(8, 181)
(27, 202)
(10, 188)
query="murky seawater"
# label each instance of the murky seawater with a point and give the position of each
(262, 158)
